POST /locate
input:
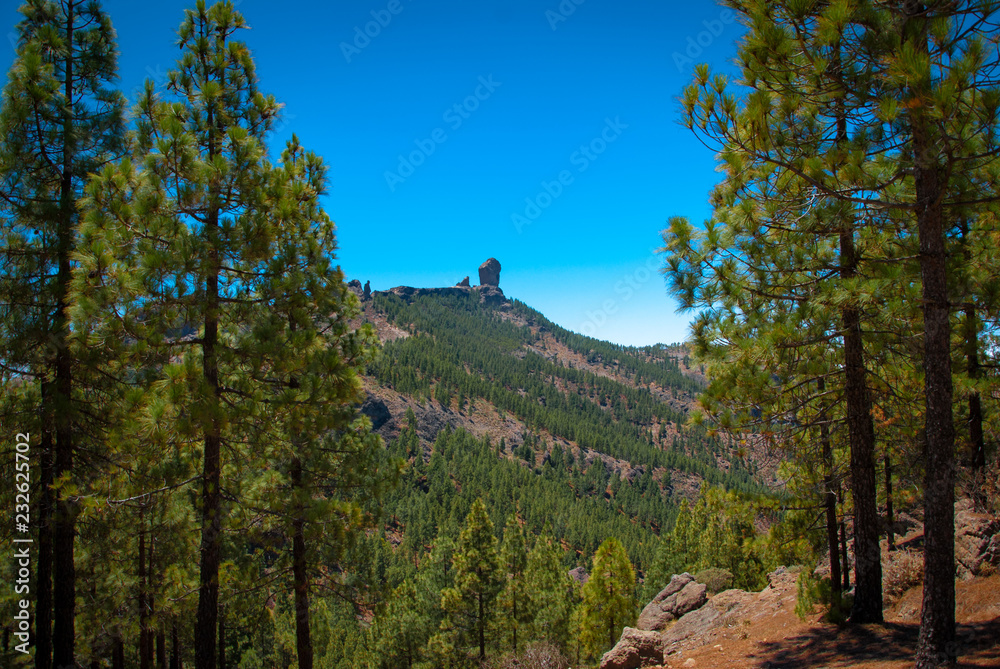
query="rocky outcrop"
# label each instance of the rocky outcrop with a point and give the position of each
(464, 283)
(579, 574)
(682, 595)
(407, 292)
(489, 273)
(377, 412)
(635, 648)
(977, 540)
(367, 294)
(491, 296)
(355, 287)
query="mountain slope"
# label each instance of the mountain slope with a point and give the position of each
(594, 429)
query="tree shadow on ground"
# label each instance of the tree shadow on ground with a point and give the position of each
(978, 645)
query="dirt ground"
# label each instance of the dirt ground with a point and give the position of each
(776, 638)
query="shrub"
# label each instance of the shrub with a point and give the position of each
(901, 570)
(813, 590)
(715, 579)
(539, 655)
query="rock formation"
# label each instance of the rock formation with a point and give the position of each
(489, 273)
(635, 648)
(354, 286)
(491, 296)
(464, 283)
(367, 295)
(377, 411)
(682, 594)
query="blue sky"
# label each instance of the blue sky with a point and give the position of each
(541, 132)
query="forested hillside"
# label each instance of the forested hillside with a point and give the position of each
(595, 447)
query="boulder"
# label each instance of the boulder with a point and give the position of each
(635, 649)
(682, 595)
(579, 575)
(464, 283)
(489, 273)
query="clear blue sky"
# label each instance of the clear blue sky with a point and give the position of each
(444, 124)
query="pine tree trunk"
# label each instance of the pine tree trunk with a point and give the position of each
(936, 642)
(64, 523)
(222, 641)
(844, 559)
(117, 652)
(889, 519)
(161, 649)
(976, 440)
(43, 615)
(482, 627)
(861, 435)
(303, 642)
(830, 500)
(211, 513)
(175, 648)
(145, 658)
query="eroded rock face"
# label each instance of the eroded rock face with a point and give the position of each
(682, 595)
(354, 286)
(491, 296)
(489, 273)
(377, 411)
(977, 541)
(635, 649)
(367, 294)
(464, 283)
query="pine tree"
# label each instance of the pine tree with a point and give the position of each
(513, 599)
(478, 579)
(608, 597)
(188, 239)
(60, 120)
(332, 463)
(550, 592)
(885, 108)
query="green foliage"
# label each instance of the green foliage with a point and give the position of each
(609, 602)
(813, 591)
(551, 592)
(715, 579)
(478, 580)
(717, 533)
(513, 604)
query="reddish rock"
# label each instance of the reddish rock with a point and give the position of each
(681, 596)
(635, 649)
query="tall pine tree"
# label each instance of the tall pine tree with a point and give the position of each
(61, 119)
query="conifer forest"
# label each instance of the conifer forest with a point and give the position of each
(218, 452)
